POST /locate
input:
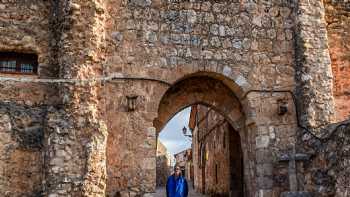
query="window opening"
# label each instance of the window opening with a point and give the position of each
(18, 63)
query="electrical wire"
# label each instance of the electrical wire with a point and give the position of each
(116, 78)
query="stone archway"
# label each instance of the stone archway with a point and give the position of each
(213, 93)
(199, 90)
(131, 145)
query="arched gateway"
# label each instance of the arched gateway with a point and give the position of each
(199, 89)
(204, 89)
(131, 144)
(80, 117)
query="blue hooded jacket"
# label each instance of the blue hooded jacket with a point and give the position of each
(176, 187)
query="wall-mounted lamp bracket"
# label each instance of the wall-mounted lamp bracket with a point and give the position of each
(131, 102)
(282, 107)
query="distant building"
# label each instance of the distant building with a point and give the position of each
(184, 160)
(164, 164)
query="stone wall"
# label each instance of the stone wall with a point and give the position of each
(264, 134)
(327, 173)
(268, 135)
(80, 118)
(161, 40)
(25, 28)
(169, 39)
(163, 168)
(104, 51)
(131, 145)
(21, 150)
(313, 66)
(338, 31)
(249, 42)
(28, 31)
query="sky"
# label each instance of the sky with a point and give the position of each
(171, 135)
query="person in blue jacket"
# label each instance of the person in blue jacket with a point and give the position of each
(176, 185)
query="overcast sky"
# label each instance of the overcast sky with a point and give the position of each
(171, 135)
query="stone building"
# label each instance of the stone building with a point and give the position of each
(189, 168)
(164, 165)
(87, 85)
(217, 156)
(183, 159)
(180, 160)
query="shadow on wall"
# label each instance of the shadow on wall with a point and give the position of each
(21, 146)
(329, 167)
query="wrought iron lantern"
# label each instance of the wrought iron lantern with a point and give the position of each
(184, 131)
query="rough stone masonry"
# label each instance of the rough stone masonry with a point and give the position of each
(72, 130)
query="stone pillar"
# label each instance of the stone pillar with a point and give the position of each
(259, 145)
(313, 66)
(268, 134)
(76, 133)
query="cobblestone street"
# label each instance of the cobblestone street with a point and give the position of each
(191, 193)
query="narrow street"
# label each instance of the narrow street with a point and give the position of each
(192, 193)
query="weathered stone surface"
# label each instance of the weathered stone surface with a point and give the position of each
(92, 54)
(80, 171)
(327, 173)
(21, 146)
(296, 194)
(338, 30)
(28, 32)
(314, 82)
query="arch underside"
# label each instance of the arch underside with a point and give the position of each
(215, 94)
(200, 90)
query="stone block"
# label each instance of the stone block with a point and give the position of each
(263, 156)
(262, 141)
(265, 169)
(142, 3)
(265, 193)
(149, 163)
(296, 194)
(124, 194)
(265, 182)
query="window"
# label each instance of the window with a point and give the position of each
(18, 63)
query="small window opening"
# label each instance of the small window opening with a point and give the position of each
(18, 63)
